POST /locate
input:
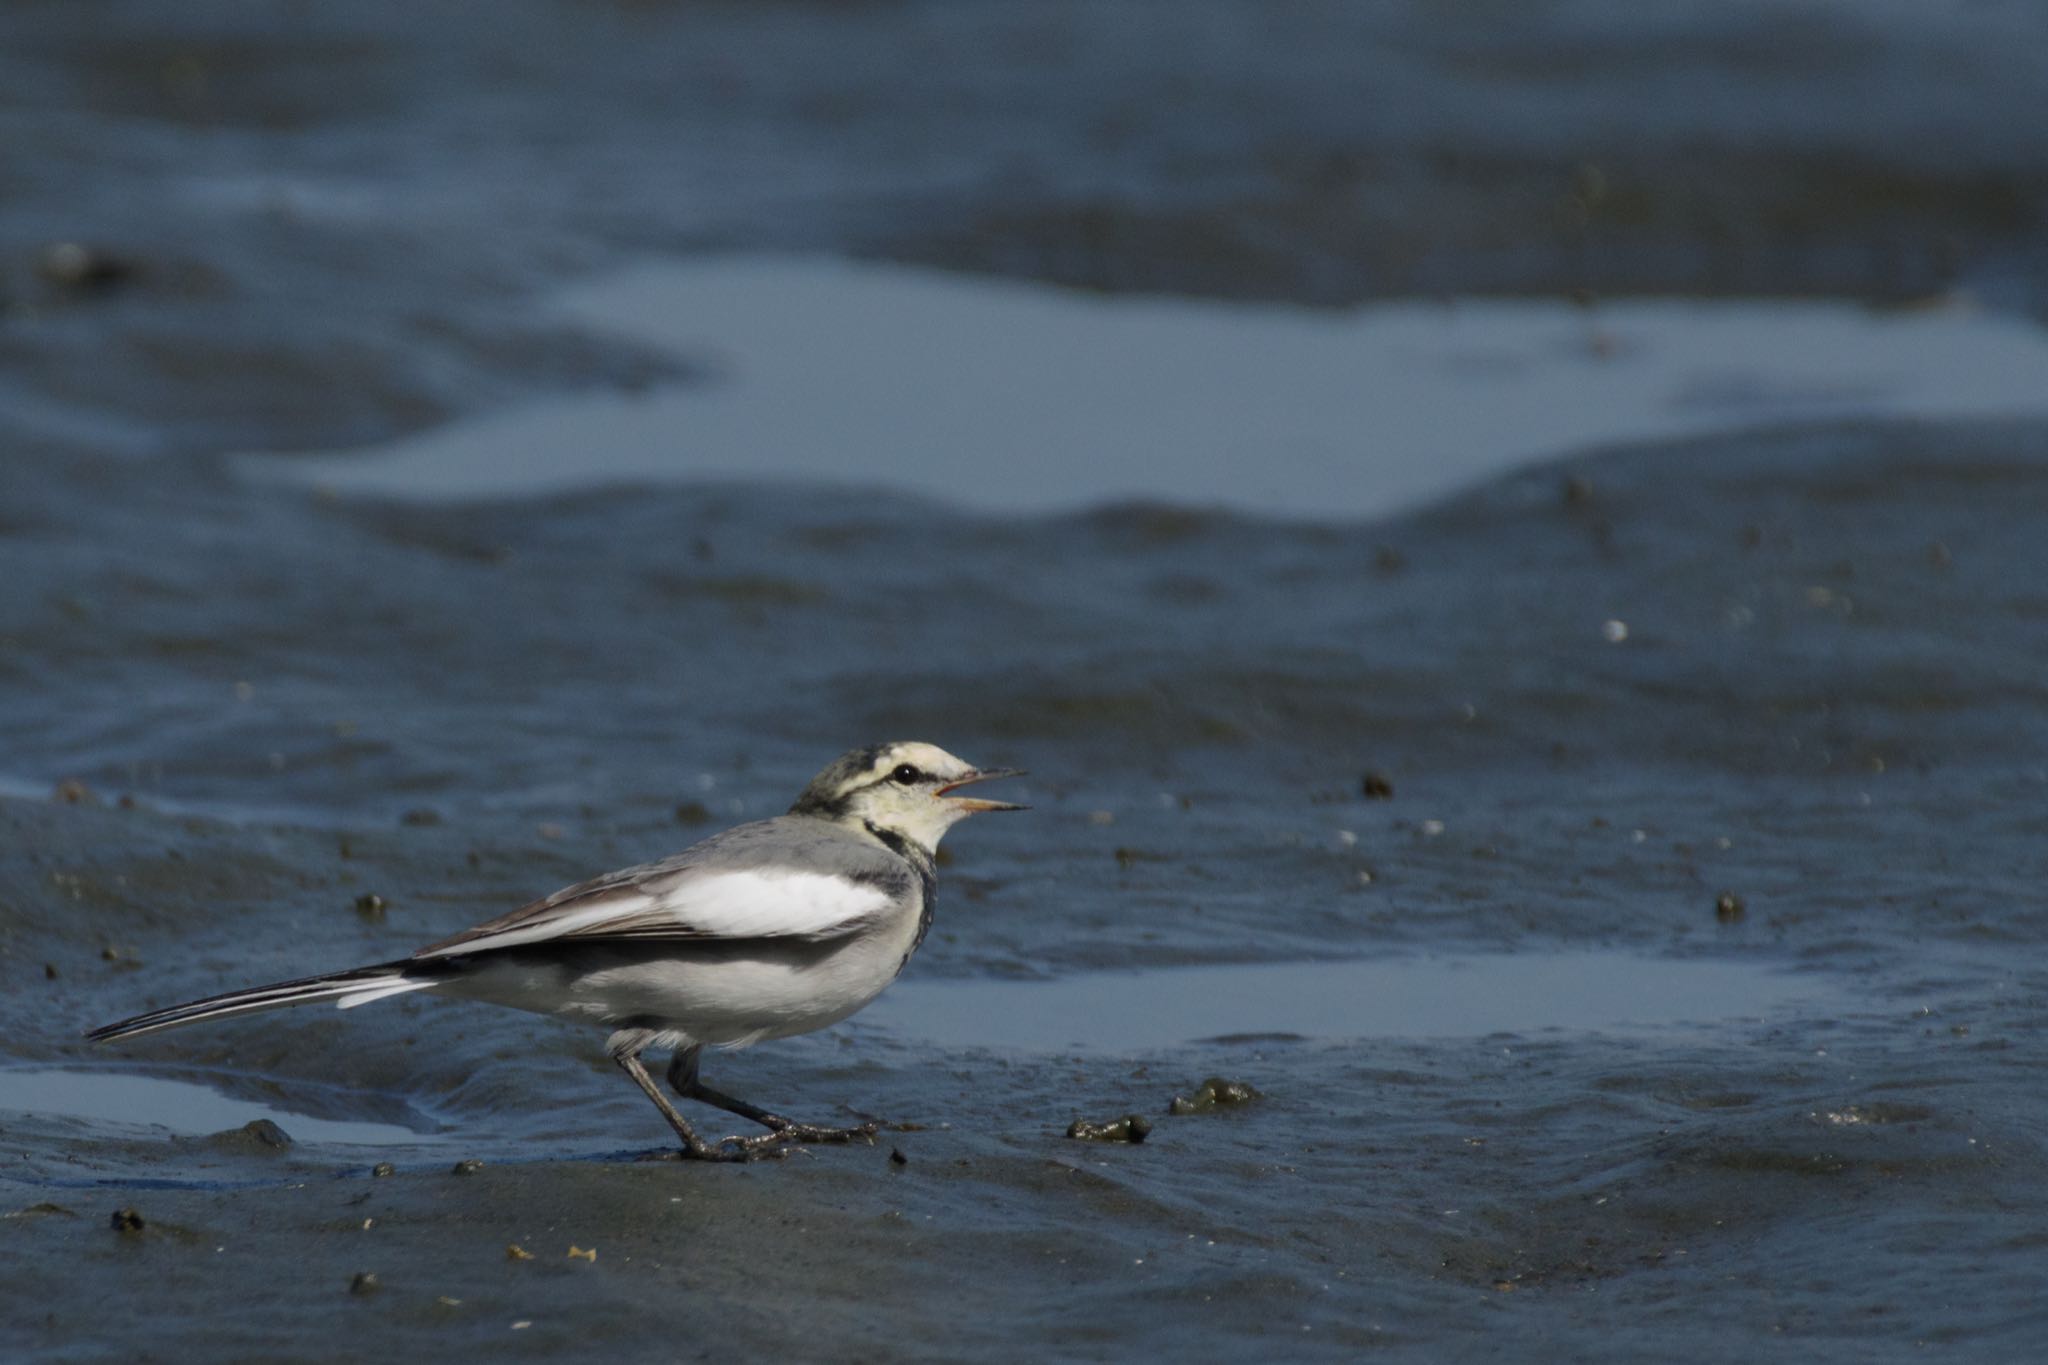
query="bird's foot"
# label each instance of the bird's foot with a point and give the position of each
(728, 1150)
(789, 1138)
(759, 1147)
(808, 1132)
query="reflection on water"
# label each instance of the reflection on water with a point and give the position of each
(1388, 998)
(180, 1106)
(1023, 398)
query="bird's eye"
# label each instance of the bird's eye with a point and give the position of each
(905, 774)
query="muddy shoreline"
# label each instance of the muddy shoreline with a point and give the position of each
(1726, 708)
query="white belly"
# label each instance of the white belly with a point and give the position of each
(732, 1002)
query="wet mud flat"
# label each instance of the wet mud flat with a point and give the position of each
(1618, 879)
(1812, 756)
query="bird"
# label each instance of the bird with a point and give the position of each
(766, 930)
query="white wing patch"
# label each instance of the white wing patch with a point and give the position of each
(763, 904)
(709, 906)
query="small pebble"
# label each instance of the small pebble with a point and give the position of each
(577, 1253)
(469, 1165)
(74, 265)
(1216, 1093)
(896, 1157)
(371, 906)
(1614, 632)
(266, 1133)
(516, 1252)
(365, 1282)
(382, 1169)
(1728, 907)
(1130, 1128)
(1376, 786)
(126, 1220)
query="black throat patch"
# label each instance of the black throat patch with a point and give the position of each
(919, 858)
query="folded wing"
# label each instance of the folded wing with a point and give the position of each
(692, 903)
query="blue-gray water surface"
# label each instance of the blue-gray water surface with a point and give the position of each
(1617, 874)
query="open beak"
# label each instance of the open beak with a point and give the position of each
(972, 803)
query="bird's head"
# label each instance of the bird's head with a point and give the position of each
(904, 789)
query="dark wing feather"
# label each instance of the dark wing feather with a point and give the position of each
(793, 878)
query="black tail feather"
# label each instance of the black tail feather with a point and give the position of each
(278, 995)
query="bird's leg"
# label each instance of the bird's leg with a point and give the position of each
(626, 1052)
(785, 1130)
(682, 1074)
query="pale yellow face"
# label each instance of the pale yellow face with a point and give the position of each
(899, 788)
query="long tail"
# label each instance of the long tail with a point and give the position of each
(345, 989)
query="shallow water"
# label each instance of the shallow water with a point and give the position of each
(103, 1097)
(1617, 869)
(1138, 1012)
(1018, 398)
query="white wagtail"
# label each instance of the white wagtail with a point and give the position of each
(765, 931)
